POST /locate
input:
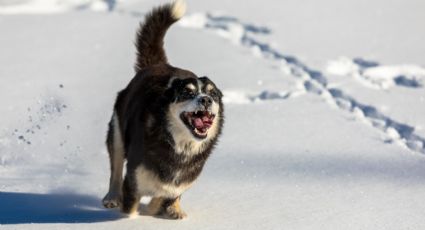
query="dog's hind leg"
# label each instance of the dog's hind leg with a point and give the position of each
(115, 146)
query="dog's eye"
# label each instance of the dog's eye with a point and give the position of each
(189, 93)
(215, 95)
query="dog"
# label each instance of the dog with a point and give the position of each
(165, 125)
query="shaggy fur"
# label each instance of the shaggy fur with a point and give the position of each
(165, 125)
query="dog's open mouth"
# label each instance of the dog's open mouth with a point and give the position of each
(198, 122)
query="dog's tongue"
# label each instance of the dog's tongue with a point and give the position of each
(202, 122)
(198, 123)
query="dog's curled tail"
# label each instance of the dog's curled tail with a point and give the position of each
(150, 37)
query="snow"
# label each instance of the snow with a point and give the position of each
(325, 105)
(51, 6)
(377, 76)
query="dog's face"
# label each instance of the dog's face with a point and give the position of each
(194, 112)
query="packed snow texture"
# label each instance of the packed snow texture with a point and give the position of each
(53, 6)
(325, 112)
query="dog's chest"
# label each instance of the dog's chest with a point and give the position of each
(149, 184)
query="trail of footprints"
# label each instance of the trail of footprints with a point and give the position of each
(313, 81)
(376, 76)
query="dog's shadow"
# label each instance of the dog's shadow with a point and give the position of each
(24, 208)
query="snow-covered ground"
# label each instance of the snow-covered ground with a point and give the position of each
(325, 112)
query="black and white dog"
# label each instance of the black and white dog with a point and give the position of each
(165, 125)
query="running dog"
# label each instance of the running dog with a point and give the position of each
(165, 125)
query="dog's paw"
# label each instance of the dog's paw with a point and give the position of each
(174, 213)
(111, 200)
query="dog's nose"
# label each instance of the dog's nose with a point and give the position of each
(205, 101)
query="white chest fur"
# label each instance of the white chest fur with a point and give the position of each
(149, 184)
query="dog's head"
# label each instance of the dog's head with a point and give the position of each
(195, 111)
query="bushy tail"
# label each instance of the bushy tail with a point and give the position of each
(150, 37)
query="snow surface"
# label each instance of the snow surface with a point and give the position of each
(325, 105)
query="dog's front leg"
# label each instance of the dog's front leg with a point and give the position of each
(131, 195)
(167, 207)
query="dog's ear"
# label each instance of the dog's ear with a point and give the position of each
(220, 94)
(217, 92)
(171, 92)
